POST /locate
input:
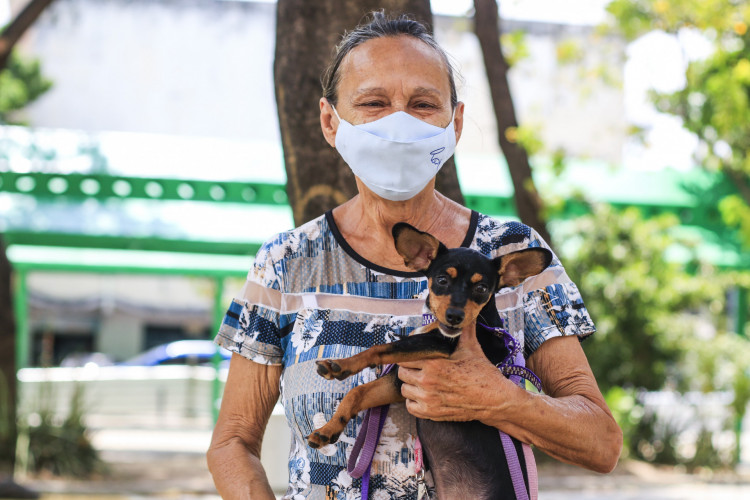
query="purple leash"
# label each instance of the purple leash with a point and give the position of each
(360, 459)
(514, 367)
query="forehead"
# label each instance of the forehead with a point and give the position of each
(391, 63)
(467, 263)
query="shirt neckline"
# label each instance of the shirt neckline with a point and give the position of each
(468, 239)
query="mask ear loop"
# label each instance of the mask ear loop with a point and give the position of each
(334, 111)
(453, 117)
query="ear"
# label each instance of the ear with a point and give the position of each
(458, 120)
(417, 248)
(329, 123)
(515, 267)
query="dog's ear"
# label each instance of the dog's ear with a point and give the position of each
(417, 248)
(515, 267)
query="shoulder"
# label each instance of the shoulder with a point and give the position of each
(291, 243)
(495, 237)
(276, 252)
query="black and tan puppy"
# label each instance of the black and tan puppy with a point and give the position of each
(465, 457)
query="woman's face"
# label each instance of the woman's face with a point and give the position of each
(390, 74)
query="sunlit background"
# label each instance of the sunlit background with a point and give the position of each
(136, 189)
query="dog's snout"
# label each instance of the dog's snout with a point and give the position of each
(454, 315)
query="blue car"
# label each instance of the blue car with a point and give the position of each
(180, 352)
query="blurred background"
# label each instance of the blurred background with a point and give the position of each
(141, 167)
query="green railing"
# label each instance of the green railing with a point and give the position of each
(140, 254)
(104, 186)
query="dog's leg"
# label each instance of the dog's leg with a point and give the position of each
(428, 345)
(382, 391)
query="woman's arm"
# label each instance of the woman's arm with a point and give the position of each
(570, 422)
(250, 394)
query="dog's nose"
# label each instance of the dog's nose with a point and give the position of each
(454, 315)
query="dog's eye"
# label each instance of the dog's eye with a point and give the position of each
(481, 288)
(441, 280)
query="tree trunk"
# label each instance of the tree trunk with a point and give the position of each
(13, 32)
(306, 32)
(7, 370)
(528, 202)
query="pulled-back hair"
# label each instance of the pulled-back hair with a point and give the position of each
(379, 27)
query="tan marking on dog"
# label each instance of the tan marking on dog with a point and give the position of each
(452, 272)
(476, 278)
(471, 311)
(438, 305)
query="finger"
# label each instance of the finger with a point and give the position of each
(414, 408)
(413, 392)
(415, 365)
(407, 375)
(420, 410)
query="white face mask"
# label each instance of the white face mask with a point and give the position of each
(397, 155)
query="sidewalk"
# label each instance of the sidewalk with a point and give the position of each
(171, 464)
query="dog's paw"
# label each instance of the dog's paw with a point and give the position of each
(319, 438)
(330, 369)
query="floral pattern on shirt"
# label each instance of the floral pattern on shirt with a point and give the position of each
(314, 260)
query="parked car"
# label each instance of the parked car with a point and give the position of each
(180, 352)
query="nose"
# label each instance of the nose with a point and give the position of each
(454, 315)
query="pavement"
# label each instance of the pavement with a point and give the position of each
(170, 464)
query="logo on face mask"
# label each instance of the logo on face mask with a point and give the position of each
(434, 156)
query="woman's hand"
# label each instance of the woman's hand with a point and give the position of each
(464, 387)
(570, 421)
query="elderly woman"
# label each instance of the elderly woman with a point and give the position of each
(336, 286)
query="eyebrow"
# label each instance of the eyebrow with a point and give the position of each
(369, 91)
(428, 91)
(419, 91)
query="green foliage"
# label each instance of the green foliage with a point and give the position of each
(569, 51)
(715, 102)
(21, 82)
(659, 439)
(659, 326)
(643, 304)
(526, 136)
(627, 412)
(514, 47)
(62, 448)
(736, 214)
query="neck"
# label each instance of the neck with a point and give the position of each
(428, 211)
(366, 221)
(423, 211)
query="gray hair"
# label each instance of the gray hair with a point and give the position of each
(382, 26)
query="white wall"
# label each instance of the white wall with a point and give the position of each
(191, 67)
(204, 68)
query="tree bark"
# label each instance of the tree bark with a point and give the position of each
(13, 32)
(306, 32)
(529, 204)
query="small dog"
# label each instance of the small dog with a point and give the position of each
(466, 458)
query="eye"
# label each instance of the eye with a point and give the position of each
(481, 288)
(425, 105)
(441, 280)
